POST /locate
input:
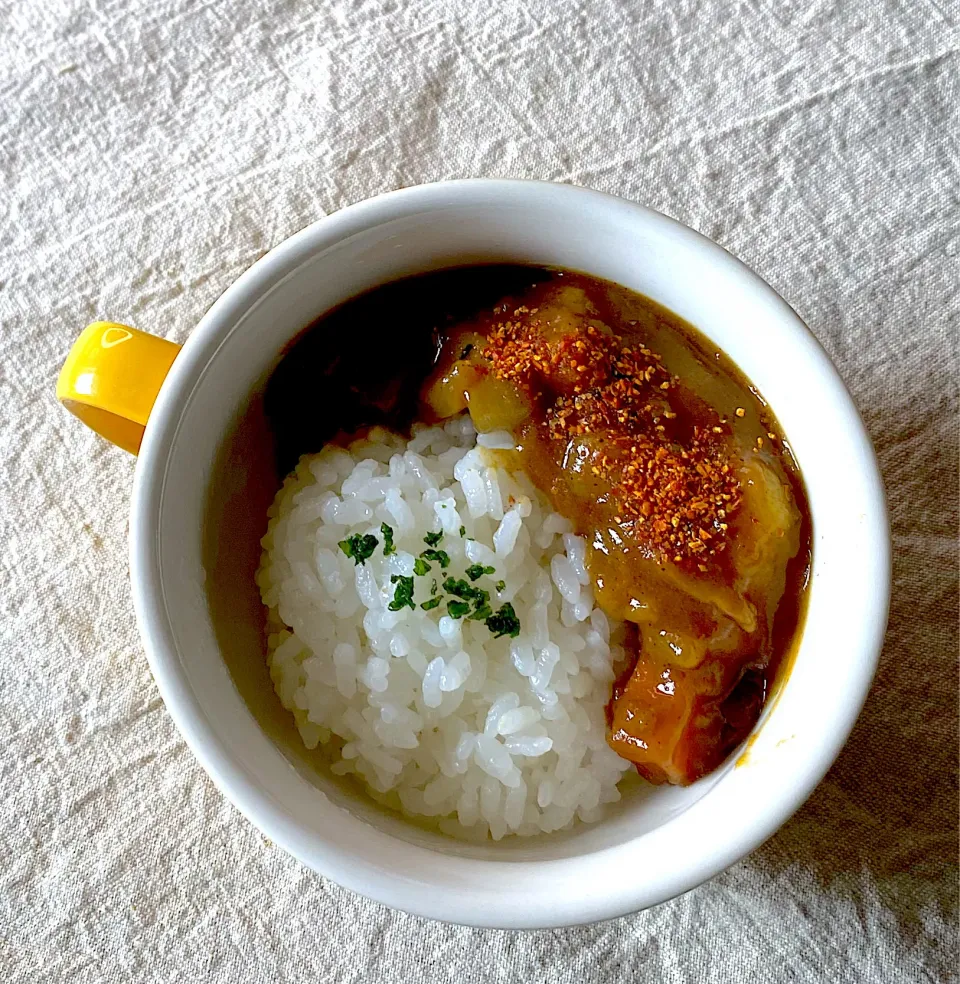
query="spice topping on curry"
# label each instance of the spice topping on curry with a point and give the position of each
(678, 486)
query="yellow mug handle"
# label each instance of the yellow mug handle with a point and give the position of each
(111, 380)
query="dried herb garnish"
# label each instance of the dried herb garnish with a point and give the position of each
(359, 547)
(440, 556)
(430, 603)
(478, 570)
(460, 588)
(457, 609)
(432, 539)
(403, 595)
(420, 567)
(504, 622)
(388, 547)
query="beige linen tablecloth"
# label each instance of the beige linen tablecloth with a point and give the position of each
(151, 151)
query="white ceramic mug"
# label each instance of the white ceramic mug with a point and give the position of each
(197, 502)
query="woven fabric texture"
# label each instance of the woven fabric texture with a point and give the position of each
(151, 151)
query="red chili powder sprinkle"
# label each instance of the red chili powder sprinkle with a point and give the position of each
(678, 488)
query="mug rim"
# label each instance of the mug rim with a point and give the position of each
(154, 621)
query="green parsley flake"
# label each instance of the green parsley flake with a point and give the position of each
(500, 585)
(478, 570)
(433, 587)
(420, 567)
(388, 547)
(359, 547)
(440, 556)
(467, 592)
(403, 596)
(504, 622)
(481, 614)
(430, 604)
(459, 588)
(463, 531)
(457, 609)
(432, 539)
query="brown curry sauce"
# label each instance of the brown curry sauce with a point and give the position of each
(644, 436)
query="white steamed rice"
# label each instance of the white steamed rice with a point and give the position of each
(433, 715)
